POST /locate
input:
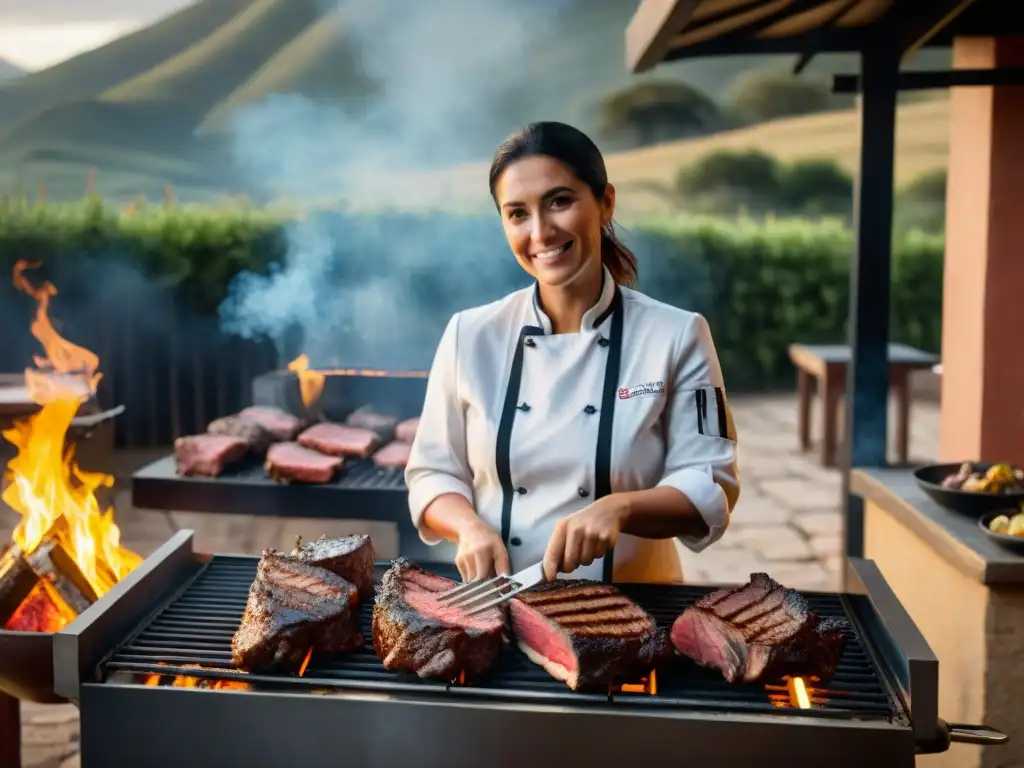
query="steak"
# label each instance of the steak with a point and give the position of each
(290, 462)
(294, 606)
(256, 437)
(587, 634)
(281, 424)
(380, 424)
(339, 440)
(406, 430)
(414, 632)
(394, 454)
(759, 631)
(207, 455)
(350, 557)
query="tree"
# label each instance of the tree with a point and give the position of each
(656, 111)
(760, 95)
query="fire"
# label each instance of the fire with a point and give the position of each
(798, 693)
(42, 611)
(311, 383)
(46, 486)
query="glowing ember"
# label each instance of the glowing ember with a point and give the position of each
(305, 662)
(798, 693)
(311, 383)
(41, 611)
(45, 483)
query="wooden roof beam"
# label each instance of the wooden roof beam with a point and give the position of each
(651, 30)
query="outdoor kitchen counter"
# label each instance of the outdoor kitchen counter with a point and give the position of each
(965, 594)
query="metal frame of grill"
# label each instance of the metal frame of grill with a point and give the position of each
(180, 609)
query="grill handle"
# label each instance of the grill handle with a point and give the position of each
(975, 734)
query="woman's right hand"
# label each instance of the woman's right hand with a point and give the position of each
(481, 551)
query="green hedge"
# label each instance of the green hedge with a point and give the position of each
(761, 285)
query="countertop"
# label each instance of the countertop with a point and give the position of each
(954, 537)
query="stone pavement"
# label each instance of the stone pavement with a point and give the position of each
(787, 523)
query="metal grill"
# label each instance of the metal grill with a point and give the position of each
(191, 637)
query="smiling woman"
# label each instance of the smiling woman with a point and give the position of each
(37, 46)
(578, 423)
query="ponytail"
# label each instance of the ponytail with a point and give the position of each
(619, 260)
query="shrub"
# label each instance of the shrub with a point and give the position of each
(651, 112)
(724, 181)
(815, 188)
(758, 96)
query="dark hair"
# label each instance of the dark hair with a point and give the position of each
(574, 149)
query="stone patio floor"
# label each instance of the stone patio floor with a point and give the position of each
(787, 523)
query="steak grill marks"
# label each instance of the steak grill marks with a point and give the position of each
(196, 628)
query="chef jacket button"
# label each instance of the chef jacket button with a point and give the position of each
(524, 407)
(583, 492)
(515, 541)
(590, 409)
(602, 341)
(520, 490)
(529, 342)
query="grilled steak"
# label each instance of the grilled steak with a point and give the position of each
(339, 440)
(413, 632)
(207, 454)
(759, 631)
(406, 430)
(294, 606)
(281, 424)
(380, 424)
(350, 557)
(587, 634)
(394, 454)
(290, 462)
(257, 438)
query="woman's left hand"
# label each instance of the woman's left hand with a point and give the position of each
(584, 536)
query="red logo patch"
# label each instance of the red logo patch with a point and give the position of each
(624, 393)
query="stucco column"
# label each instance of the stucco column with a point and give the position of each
(983, 296)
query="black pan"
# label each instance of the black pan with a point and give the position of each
(1012, 543)
(970, 503)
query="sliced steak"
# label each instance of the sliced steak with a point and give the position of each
(759, 631)
(587, 634)
(350, 557)
(406, 430)
(207, 455)
(257, 438)
(294, 606)
(381, 424)
(339, 440)
(394, 454)
(414, 632)
(291, 463)
(281, 424)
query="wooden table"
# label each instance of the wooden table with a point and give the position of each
(828, 364)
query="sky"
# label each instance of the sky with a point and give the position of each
(35, 34)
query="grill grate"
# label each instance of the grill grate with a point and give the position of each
(196, 629)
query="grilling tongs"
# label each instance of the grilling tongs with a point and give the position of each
(481, 594)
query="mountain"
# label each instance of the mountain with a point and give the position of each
(9, 71)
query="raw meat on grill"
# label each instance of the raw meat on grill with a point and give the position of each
(281, 424)
(257, 438)
(340, 440)
(394, 454)
(414, 632)
(294, 606)
(406, 430)
(292, 463)
(587, 634)
(380, 424)
(350, 557)
(207, 455)
(759, 631)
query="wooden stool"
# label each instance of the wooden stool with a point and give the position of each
(828, 364)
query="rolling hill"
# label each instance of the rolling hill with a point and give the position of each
(9, 71)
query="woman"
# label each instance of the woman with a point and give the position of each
(577, 422)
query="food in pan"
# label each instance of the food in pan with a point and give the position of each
(587, 634)
(293, 463)
(207, 455)
(257, 438)
(414, 632)
(406, 430)
(999, 478)
(1011, 524)
(281, 424)
(350, 557)
(379, 423)
(759, 631)
(394, 454)
(294, 607)
(340, 440)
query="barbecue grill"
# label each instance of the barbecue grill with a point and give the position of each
(362, 491)
(152, 675)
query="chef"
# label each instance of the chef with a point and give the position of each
(577, 422)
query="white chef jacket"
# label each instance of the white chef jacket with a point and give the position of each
(531, 426)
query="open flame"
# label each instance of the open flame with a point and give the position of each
(54, 497)
(311, 383)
